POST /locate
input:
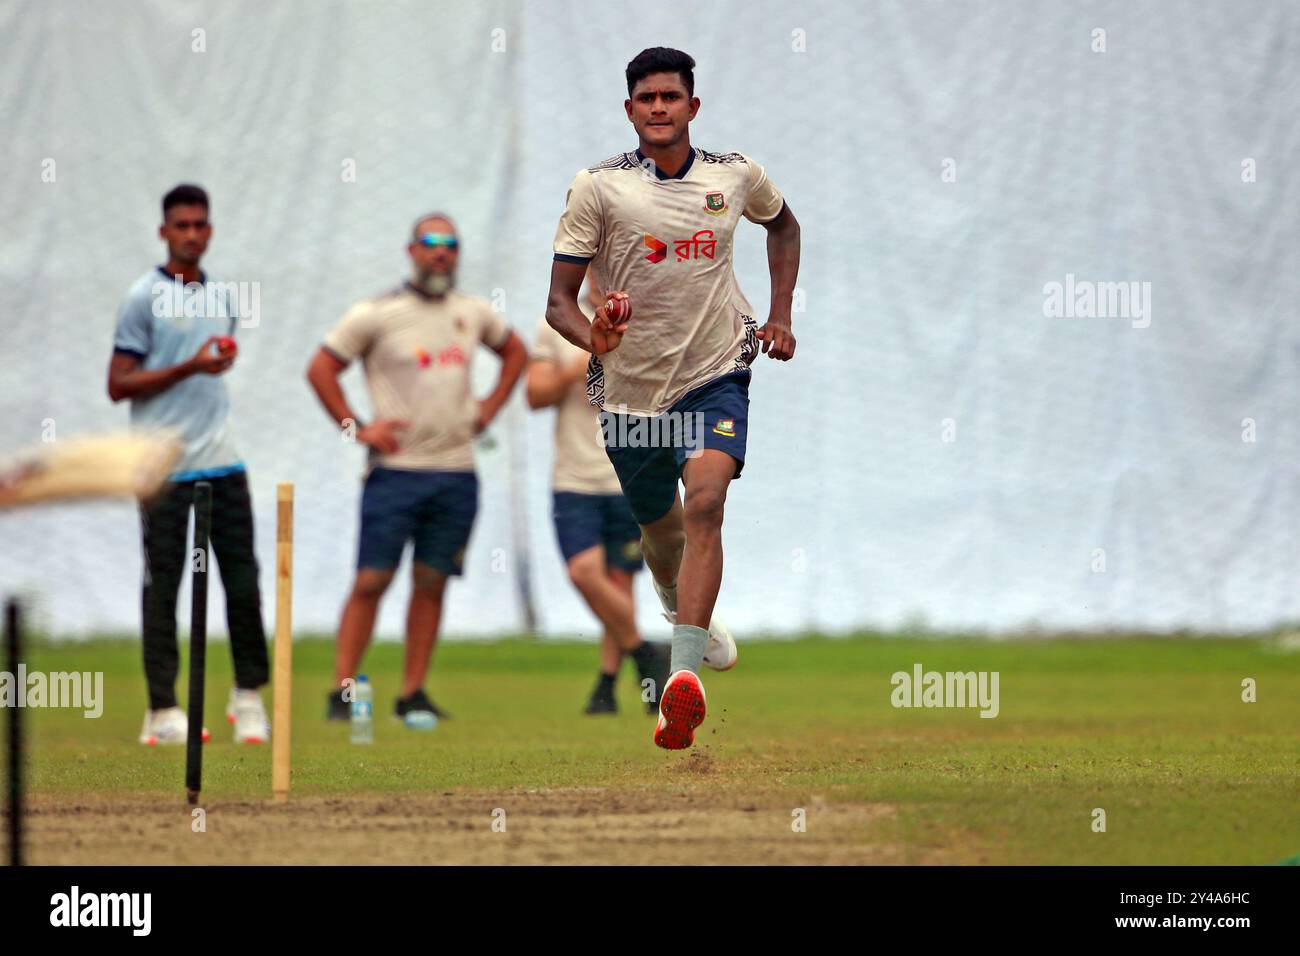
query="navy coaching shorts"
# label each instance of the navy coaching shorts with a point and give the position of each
(648, 453)
(434, 509)
(583, 521)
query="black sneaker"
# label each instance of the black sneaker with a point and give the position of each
(652, 664)
(336, 708)
(601, 704)
(419, 701)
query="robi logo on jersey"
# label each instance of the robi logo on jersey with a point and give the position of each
(451, 355)
(702, 245)
(658, 250)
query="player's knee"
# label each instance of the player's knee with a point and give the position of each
(662, 541)
(370, 584)
(428, 581)
(703, 507)
(586, 568)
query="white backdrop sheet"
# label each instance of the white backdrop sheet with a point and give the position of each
(940, 452)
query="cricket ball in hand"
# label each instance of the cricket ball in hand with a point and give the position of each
(618, 310)
(227, 345)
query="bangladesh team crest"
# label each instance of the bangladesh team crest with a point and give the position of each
(715, 203)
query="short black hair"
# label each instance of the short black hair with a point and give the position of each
(415, 226)
(186, 194)
(661, 59)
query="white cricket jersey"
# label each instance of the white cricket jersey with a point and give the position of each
(418, 352)
(667, 242)
(581, 464)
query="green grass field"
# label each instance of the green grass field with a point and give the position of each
(1154, 731)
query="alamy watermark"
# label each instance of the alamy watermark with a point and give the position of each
(669, 430)
(77, 690)
(1084, 299)
(208, 300)
(130, 910)
(922, 688)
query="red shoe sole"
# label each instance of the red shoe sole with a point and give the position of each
(682, 710)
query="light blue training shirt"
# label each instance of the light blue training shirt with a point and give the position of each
(164, 325)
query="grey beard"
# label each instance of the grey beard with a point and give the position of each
(433, 283)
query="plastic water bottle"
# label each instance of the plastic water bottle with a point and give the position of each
(363, 722)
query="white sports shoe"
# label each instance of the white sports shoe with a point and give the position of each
(720, 652)
(166, 726)
(245, 711)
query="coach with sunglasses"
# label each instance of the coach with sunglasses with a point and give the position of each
(416, 343)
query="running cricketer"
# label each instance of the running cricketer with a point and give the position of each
(417, 344)
(656, 225)
(597, 531)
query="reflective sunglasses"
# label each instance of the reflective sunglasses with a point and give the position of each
(435, 239)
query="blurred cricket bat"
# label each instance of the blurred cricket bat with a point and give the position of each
(124, 463)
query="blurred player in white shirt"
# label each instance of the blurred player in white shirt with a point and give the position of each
(597, 532)
(417, 343)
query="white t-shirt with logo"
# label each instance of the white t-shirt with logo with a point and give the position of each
(417, 351)
(581, 464)
(667, 242)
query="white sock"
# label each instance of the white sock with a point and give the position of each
(688, 648)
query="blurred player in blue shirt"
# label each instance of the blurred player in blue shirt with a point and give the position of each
(174, 341)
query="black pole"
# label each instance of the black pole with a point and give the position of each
(199, 558)
(13, 646)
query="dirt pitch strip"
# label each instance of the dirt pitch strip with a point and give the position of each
(566, 826)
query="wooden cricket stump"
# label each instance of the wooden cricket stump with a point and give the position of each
(283, 678)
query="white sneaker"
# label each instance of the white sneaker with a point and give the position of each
(720, 650)
(246, 712)
(166, 726)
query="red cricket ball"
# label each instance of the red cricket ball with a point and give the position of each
(227, 345)
(618, 310)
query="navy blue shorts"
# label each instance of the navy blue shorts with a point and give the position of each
(434, 509)
(648, 453)
(583, 521)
